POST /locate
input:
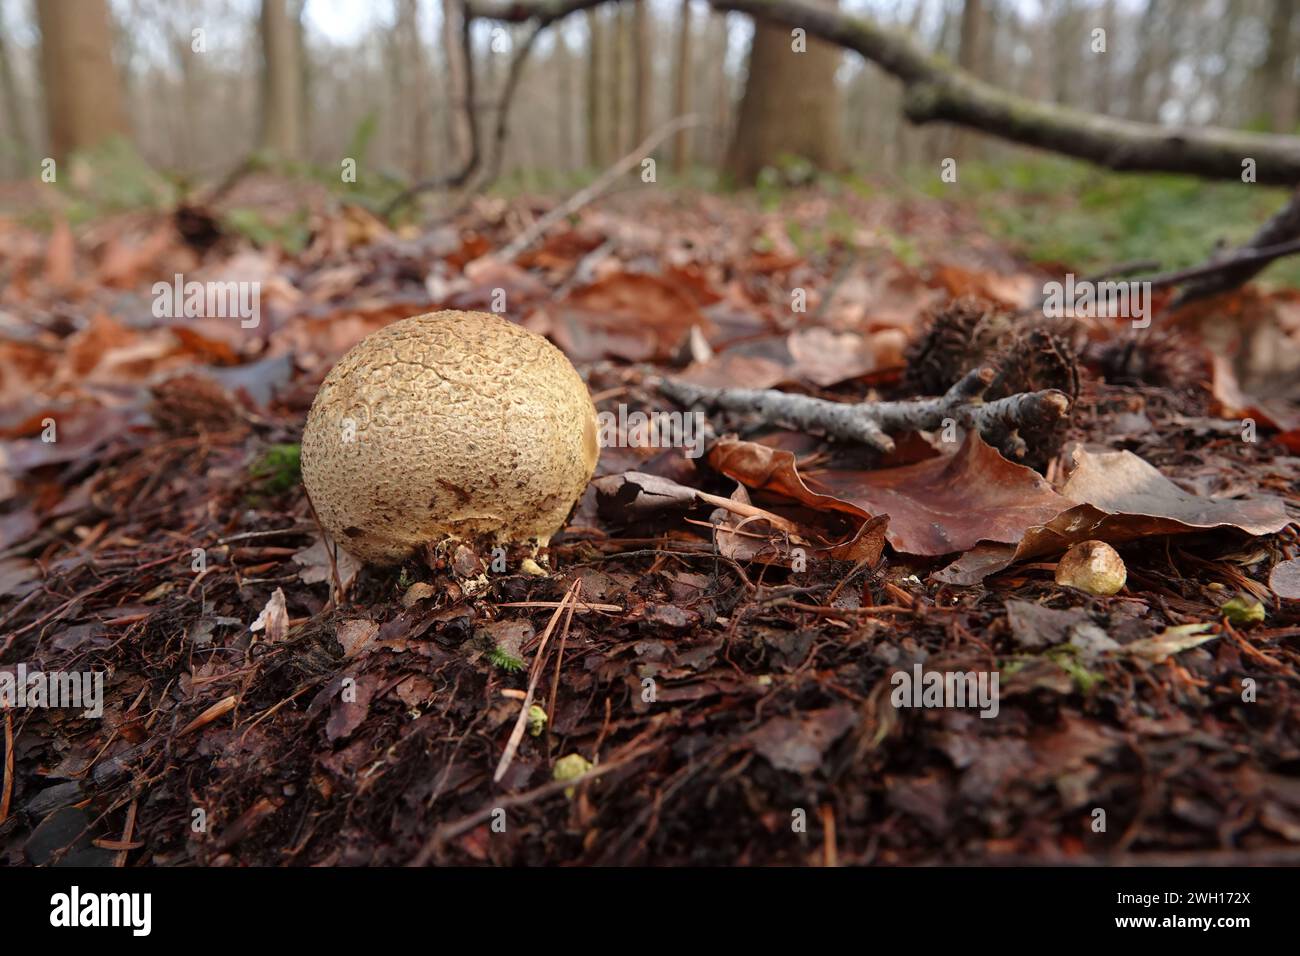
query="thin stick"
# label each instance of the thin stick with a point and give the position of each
(517, 735)
(127, 832)
(9, 767)
(601, 184)
(870, 422)
(580, 607)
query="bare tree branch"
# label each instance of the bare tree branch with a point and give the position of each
(870, 423)
(1276, 238)
(937, 90)
(545, 12)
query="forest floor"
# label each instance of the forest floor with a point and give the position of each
(737, 711)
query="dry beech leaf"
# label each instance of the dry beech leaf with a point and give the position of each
(759, 363)
(753, 538)
(315, 563)
(61, 257)
(936, 506)
(1122, 498)
(827, 358)
(743, 531)
(627, 315)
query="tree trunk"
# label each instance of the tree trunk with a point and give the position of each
(640, 72)
(13, 107)
(83, 105)
(1140, 79)
(1277, 74)
(595, 110)
(790, 107)
(458, 132)
(681, 86)
(621, 121)
(721, 91)
(281, 134)
(568, 102)
(969, 49)
(412, 85)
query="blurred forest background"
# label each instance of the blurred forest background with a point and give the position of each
(197, 87)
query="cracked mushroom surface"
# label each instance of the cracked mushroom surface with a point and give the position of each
(448, 425)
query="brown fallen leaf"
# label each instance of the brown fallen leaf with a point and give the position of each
(757, 538)
(75, 436)
(743, 531)
(1035, 626)
(18, 577)
(350, 707)
(315, 563)
(627, 315)
(1122, 498)
(799, 744)
(759, 363)
(827, 358)
(354, 636)
(936, 506)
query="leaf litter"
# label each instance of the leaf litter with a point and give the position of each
(711, 689)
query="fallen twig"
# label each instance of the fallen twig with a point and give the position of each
(598, 187)
(871, 422)
(8, 791)
(539, 661)
(1276, 238)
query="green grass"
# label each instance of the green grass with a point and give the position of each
(1064, 212)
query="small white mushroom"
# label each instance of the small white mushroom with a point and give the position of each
(448, 425)
(1093, 567)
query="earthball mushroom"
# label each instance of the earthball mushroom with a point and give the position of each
(450, 425)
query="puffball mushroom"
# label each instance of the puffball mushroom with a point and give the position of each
(1093, 567)
(448, 425)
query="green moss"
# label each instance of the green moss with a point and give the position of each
(1067, 659)
(505, 660)
(278, 470)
